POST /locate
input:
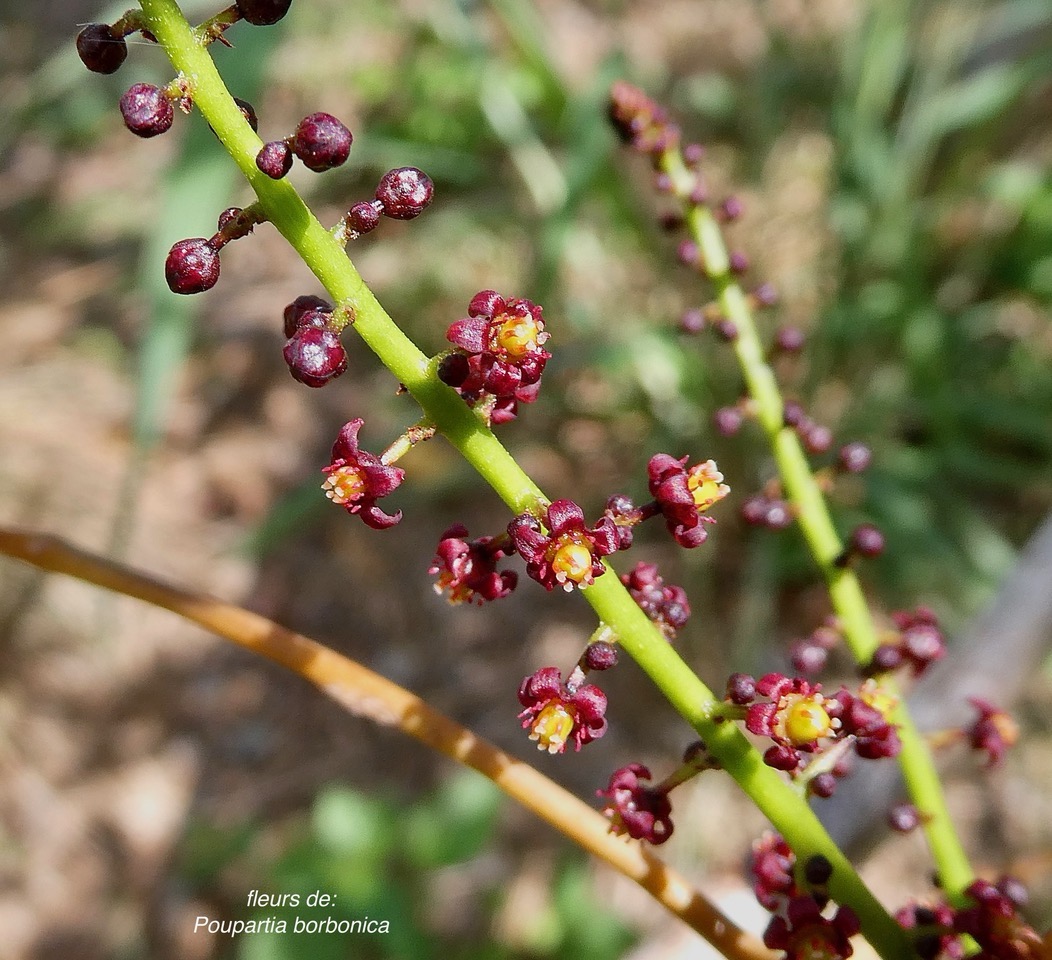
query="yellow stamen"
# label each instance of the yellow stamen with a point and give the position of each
(553, 726)
(344, 485)
(572, 563)
(518, 336)
(705, 483)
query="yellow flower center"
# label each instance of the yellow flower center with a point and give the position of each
(705, 483)
(572, 564)
(804, 719)
(877, 697)
(811, 943)
(518, 336)
(553, 726)
(456, 592)
(344, 485)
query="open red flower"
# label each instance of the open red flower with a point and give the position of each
(357, 479)
(805, 934)
(557, 714)
(683, 495)
(993, 731)
(796, 717)
(467, 569)
(569, 554)
(500, 356)
(641, 811)
(664, 603)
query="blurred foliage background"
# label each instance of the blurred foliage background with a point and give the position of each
(893, 159)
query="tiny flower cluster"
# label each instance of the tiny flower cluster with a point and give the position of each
(467, 569)
(801, 720)
(557, 713)
(636, 809)
(665, 604)
(992, 920)
(918, 643)
(500, 354)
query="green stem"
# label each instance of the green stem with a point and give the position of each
(461, 427)
(812, 513)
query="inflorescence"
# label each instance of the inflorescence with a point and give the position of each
(498, 356)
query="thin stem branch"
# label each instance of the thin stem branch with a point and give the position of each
(372, 697)
(812, 511)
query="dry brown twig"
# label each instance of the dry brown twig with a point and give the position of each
(371, 696)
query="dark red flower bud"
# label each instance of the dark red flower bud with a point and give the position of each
(296, 313)
(274, 159)
(101, 49)
(147, 110)
(248, 112)
(405, 193)
(903, 817)
(364, 216)
(321, 142)
(854, 457)
(600, 655)
(741, 689)
(635, 809)
(192, 266)
(315, 355)
(262, 12)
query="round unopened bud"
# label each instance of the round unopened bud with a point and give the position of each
(364, 216)
(600, 656)
(262, 12)
(854, 457)
(296, 313)
(818, 870)
(321, 142)
(903, 817)
(867, 540)
(192, 266)
(101, 49)
(248, 112)
(728, 421)
(274, 159)
(404, 193)
(146, 110)
(741, 689)
(315, 356)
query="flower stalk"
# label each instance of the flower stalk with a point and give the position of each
(804, 491)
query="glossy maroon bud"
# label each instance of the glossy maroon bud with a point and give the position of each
(315, 356)
(303, 311)
(903, 817)
(867, 540)
(753, 510)
(404, 193)
(728, 421)
(817, 438)
(364, 216)
(693, 153)
(793, 414)
(726, 330)
(731, 209)
(262, 12)
(192, 266)
(227, 217)
(454, 369)
(854, 457)
(887, 656)
(741, 689)
(274, 159)
(822, 785)
(248, 112)
(818, 870)
(790, 339)
(765, 295)
(688, 253)
(321, 142)
(807, 656)
(101, 49)
(692, 321)
(146, 109)
(778, 515)
(600, 656)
